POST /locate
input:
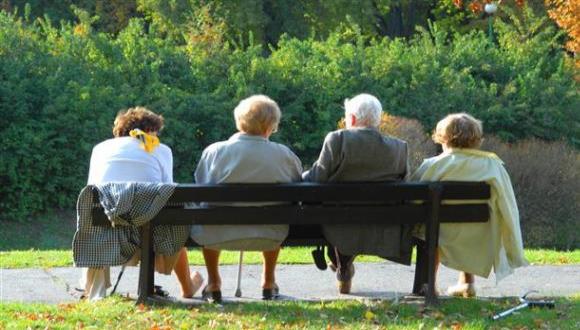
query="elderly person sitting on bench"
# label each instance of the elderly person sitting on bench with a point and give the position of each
(246, 157)
(474, 248)
(362, 153)
(136, 155)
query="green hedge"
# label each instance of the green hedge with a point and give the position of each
(60, 89)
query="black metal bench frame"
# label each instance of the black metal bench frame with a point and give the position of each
(320, 204)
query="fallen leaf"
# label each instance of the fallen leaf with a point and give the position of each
(456, 326)
(369, 315)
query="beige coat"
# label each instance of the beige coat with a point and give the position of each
(477, 247)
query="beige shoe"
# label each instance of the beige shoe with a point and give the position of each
(196, 283)
(465, 290)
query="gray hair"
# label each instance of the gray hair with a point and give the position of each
(366, 108)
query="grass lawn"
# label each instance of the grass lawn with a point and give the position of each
(296, 255)
(46, 242)
(121, 313)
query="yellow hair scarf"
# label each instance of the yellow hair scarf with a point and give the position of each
(148, 142)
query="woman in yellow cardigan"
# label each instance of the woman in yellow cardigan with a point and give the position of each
(475, 248)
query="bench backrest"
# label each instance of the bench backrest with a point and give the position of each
(314, 203)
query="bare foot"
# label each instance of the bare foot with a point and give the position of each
(195, 285)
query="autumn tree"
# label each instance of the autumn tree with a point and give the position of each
(566, 13)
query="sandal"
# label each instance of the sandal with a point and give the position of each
(196, 283)
(271, 293)
(213, 297)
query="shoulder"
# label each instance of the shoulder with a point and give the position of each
(336, 135)
(282, 149)
(164, 152)
(164, 149)
(106, 144)
(395, 140)
(111, 146)
(214, 149)
(395, 143)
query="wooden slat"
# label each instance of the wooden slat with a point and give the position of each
(307, 192)
(465, 190)
(464, 213)
(315, 192)
(293, 215)
(312, 214)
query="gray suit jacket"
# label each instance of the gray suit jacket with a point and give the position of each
(364, 154)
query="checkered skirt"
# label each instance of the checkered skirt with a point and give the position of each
(128, 206)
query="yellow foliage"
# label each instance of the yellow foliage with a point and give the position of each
(80, 30)
(566, 13)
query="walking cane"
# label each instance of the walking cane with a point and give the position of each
(239, 287)
(524, 304)
(118, 279)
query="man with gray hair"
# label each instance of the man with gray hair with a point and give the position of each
(361, 153)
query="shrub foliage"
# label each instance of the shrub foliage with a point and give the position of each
(60, 88)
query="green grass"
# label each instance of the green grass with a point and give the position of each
(45, 242)
(63, 258)
(117, 312)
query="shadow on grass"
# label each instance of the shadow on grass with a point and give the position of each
(451, 312)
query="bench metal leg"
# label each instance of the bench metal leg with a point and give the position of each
(432, 237)
(146, 271)
(420, 268)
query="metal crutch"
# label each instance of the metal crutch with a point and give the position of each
(239, 285)
(525, 303)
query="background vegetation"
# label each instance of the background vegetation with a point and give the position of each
(67, 67)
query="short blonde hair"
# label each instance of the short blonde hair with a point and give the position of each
(137, 117)
(257, 114)
(459, 130)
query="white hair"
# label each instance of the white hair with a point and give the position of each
(365, 108)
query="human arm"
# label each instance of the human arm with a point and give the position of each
(328, 160)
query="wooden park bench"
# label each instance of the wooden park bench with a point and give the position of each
(312, 204)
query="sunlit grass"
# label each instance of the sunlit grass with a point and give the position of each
(117, 312)
(295, 255)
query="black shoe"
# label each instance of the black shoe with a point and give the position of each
(271, 294)
(318, 256)
(213, 297)
(344, 278)
(158, 290)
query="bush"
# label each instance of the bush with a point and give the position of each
(60, 89)
(546, 181)
(419, 142)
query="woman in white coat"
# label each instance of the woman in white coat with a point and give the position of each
(474, 248)
(135, 154)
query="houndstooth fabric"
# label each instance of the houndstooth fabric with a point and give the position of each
(128, 206)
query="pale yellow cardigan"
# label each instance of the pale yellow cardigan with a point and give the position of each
(477, 247)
